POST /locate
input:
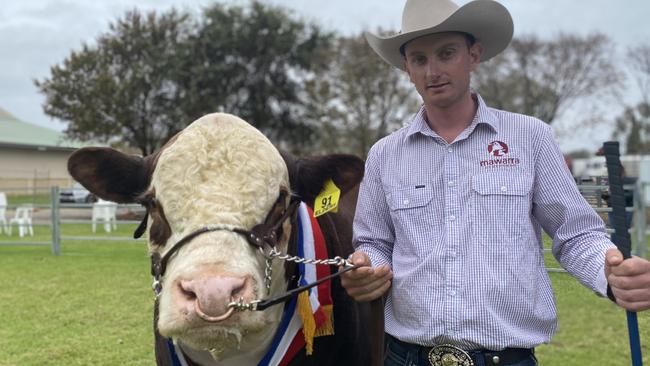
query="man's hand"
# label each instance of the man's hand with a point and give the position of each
(366, 283)
(629, 280)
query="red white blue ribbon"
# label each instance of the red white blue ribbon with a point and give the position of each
(304, 317)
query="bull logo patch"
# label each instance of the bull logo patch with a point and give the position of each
(497, 148)
(498, 151)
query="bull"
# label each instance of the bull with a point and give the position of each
(220, 172)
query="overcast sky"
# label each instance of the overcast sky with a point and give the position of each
(36, 34)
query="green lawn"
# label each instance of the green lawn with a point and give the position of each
(593, 331)
(35, 199)
(92, 305)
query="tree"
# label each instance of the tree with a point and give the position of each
(253, 62)
(640, 57)
(544, 78)
(123, 89)
(634, 126)
(149, 76)
(359, 98)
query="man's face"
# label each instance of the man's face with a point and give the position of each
(439, 65)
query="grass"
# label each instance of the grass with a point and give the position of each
(92, 305)
(34, 199)
(43, 233)
(592, 331)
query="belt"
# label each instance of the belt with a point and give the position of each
(448, 355)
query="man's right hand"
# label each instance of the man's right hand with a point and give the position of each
(366, 283)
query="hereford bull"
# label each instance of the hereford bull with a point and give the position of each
(222, 171)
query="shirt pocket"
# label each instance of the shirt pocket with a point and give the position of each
(500, 207)
(409, 207)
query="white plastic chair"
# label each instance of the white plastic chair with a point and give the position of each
(3, 213)
(22, 218)
(104, 211)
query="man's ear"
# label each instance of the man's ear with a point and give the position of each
(308, 175)
(110, 174)
(475, 53)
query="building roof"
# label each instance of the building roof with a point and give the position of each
(17, 133)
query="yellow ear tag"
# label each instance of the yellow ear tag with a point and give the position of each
(327, 200)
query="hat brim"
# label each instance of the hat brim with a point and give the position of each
(488, 21)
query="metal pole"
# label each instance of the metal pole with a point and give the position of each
(54, 214)
(641, 249)
(623, 242)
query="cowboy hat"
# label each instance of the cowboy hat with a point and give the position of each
(488, 21)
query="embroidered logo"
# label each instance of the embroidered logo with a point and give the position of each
(497, 148)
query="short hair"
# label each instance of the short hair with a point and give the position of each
(469, 40)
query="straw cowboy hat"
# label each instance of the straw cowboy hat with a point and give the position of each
(488, 21)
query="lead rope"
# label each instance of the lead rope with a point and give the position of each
(258, 305)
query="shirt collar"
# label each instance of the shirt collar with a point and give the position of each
(484, 115)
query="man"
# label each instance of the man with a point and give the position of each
(450, 212)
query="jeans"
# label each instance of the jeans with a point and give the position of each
(397, 355)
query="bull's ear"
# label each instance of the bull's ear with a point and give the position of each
(110, 174)
(308, 175)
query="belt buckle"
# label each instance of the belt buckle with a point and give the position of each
(448, 355)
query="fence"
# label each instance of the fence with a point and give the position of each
(592, 189)
(53, 214)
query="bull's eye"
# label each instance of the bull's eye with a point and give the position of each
(160, 230)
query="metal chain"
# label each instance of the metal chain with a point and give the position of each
(336, 261)
(240, 305)
(268, 272)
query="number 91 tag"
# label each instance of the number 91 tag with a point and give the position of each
(327, 200)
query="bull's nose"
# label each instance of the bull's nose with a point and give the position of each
(211, 295)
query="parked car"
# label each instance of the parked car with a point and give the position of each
(76, 194)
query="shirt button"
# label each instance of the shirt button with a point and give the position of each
(449, 150)
(452, 254)
(452, 218)
(406, 202)
(451, 183)
(504, 188)
(452, 292)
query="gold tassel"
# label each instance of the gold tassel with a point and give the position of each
(308, 322)
(327, 328)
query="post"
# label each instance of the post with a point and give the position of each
(641, 249)
(54, 215)
(622, 242)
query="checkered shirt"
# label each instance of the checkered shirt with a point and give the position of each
(460, 225)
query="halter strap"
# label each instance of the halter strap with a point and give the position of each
(265, 233)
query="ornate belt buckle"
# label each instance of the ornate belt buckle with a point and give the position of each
(448, 355)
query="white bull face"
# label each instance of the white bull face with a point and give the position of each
(219, 171)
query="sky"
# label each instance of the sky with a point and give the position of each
(37, 34)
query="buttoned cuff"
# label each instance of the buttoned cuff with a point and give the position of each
(601, 286)
(376, 257)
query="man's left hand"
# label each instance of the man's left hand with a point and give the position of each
(629, 280)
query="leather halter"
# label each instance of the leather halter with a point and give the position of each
(260, 235)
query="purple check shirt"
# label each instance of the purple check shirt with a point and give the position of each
(460, 225)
